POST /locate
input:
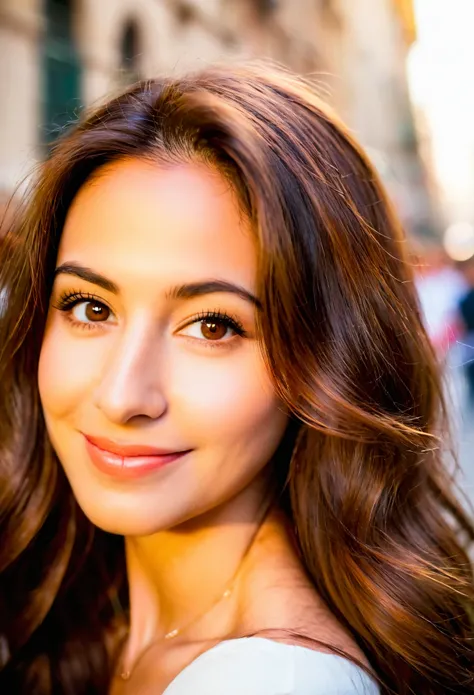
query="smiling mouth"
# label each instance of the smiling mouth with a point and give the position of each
(128, 461)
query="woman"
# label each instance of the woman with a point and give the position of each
(221, 426)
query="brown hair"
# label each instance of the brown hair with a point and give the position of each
(378, 526)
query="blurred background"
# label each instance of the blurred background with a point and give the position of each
(399, 72)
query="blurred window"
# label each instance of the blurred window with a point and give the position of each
(62, 70)
(129, 54)
(266, 7)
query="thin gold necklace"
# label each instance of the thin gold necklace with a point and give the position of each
(126, 673)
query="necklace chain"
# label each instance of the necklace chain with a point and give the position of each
(126, 673)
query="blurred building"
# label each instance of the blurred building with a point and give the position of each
(376, 38)
(59, 55)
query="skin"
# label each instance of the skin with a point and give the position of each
(148, 375)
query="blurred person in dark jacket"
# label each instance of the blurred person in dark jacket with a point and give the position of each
(466, 312)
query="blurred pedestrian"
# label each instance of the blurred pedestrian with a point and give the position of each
(466, 311)
(221, 418)
(440, 286)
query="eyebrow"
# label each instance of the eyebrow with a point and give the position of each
(198, 289)
(88, 275)
(185, 291)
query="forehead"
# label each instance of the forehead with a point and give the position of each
(138, 218)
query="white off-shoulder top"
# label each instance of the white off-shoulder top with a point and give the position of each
(259, 666)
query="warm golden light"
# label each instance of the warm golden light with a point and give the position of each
(459, 241)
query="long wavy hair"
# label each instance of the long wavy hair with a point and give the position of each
(377, 522)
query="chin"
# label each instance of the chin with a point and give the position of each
(126, 519)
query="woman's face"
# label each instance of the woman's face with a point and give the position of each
(153, 386)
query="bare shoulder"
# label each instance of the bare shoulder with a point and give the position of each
(281, 602)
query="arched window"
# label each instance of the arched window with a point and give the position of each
(266, 7)
(129, 54)
(62, 71)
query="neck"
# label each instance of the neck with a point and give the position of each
(177, 575)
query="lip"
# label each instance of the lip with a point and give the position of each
(126, 461)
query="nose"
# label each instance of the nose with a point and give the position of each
(130, 386)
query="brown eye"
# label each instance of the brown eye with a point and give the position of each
(213, 327)
(96, 312)
(91, 312)
(214, 330)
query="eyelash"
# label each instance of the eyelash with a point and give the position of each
(69, 300)
(219, 317)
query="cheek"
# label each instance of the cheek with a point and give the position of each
(228, 397)
(65, 371)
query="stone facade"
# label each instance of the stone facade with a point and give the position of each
(376, 101)
(357, 50)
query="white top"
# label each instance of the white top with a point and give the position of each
(258, 666)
